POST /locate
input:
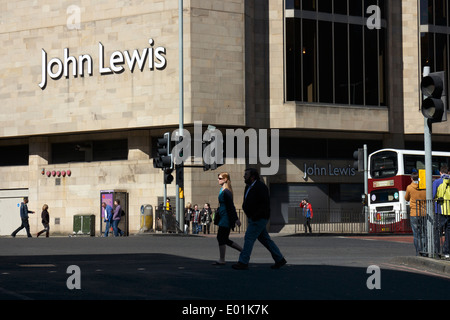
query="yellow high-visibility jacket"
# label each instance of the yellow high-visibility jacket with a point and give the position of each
(443, 191)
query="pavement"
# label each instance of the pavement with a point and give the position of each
(426, 264)
(437, 265)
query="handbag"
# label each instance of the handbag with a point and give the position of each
(440, 200)
(216, 217)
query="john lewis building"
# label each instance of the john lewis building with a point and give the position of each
(86, 87)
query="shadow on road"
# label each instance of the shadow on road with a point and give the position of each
(170, 277)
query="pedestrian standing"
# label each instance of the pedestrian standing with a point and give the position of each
(108, 214)
(206, 218)
(307, 214)
(443, 194)
(440, 219)
(257, 209)
(45, 221)
(196, 222)
(226, 216)
(24, 217)
(187, 217)
(413, 193)
(117, 215)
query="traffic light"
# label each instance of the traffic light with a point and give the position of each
(358, 155)
(434, 104)
(168, 177)
(206, 156)
(210, 155)
(163, 157)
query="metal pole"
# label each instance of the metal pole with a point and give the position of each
(429, 179)
(366, 189)
(429, 183)
(165, 196)
(179, 170)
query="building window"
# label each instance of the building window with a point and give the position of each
(87, 151)
(434, 12)
(14, 155)
(309, 148)
(332, 56)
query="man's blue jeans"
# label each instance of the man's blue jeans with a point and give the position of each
(108, 226)
(257, 230)
(116, 230)
(418, 233)
(442, 226)
(194, 227)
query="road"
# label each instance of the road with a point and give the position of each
(164, 267)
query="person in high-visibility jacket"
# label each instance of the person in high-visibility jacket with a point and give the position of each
(443, 198)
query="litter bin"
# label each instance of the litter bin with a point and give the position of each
(165, 220)
(84, 224)
(169, 222)
(146, 218)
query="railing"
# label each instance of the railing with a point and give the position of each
(387, 220)
(170, 224)
(330, 221)
(432, 231)
(342, 221)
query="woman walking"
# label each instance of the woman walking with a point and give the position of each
(45, 221)
(117, 215)
(227, 217)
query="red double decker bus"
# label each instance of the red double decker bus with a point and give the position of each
(389, 174)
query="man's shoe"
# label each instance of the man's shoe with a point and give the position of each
(240, 266)
(279, 264)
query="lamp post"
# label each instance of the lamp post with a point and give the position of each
(433, 110)
(179, 170)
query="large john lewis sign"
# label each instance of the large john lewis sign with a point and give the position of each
(55, 68)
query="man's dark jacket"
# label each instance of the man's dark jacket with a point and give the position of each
(257, 203)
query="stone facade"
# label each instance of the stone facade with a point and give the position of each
(134, 105)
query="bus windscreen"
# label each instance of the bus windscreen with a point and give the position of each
(384, 164)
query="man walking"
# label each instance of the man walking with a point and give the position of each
(108, 217)
(257, 209)
(24, 216)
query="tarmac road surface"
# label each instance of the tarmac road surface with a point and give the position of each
(164, 267)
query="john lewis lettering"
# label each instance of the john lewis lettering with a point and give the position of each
(55, 68)
(330, 170)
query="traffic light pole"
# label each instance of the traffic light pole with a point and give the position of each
(429, 183)
(179, 170)
(165, 197)
(429, 179)
(429, 189)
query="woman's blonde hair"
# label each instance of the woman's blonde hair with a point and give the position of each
(44, 207)
(227, 183)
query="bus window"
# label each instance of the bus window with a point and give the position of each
(438, 162)
(413, 163)
(383, 196)
(384, 164)
(417, 162)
